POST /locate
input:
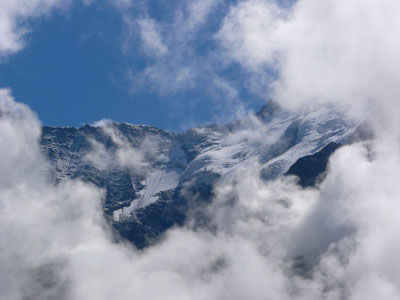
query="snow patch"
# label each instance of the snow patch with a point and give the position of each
(156, 182)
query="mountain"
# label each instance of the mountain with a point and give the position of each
(153, 177)
(311, 168)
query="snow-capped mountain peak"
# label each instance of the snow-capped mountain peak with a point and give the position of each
(143, 169)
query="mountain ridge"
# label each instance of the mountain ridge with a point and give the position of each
(144, 169)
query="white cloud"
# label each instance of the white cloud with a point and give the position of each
(14, 15)
(169, 46)
(174, 64)
(124, 156)
(359, 194)
(193, 15)
(247, 33)
(151, 38)
(339, 51)
(55, 243)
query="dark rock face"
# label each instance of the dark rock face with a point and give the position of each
(153, 220)
(310, 169)
(67, 150)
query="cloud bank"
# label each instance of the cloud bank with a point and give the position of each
(55, 244)
(332, 51)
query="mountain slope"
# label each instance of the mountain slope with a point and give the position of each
(152, 177)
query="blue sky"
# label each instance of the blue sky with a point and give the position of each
(85, 62)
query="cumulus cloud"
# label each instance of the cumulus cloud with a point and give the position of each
(352, 226)
(341, 52)
(268, 239)
(55, 243)
(35, 219)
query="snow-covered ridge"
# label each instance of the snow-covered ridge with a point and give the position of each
(275, 139)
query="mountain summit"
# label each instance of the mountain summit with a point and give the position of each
(153, 177)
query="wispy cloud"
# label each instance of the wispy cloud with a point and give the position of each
(14, 20)
(124, 156)
(178, 53)
(172, 62)
(151, 37)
